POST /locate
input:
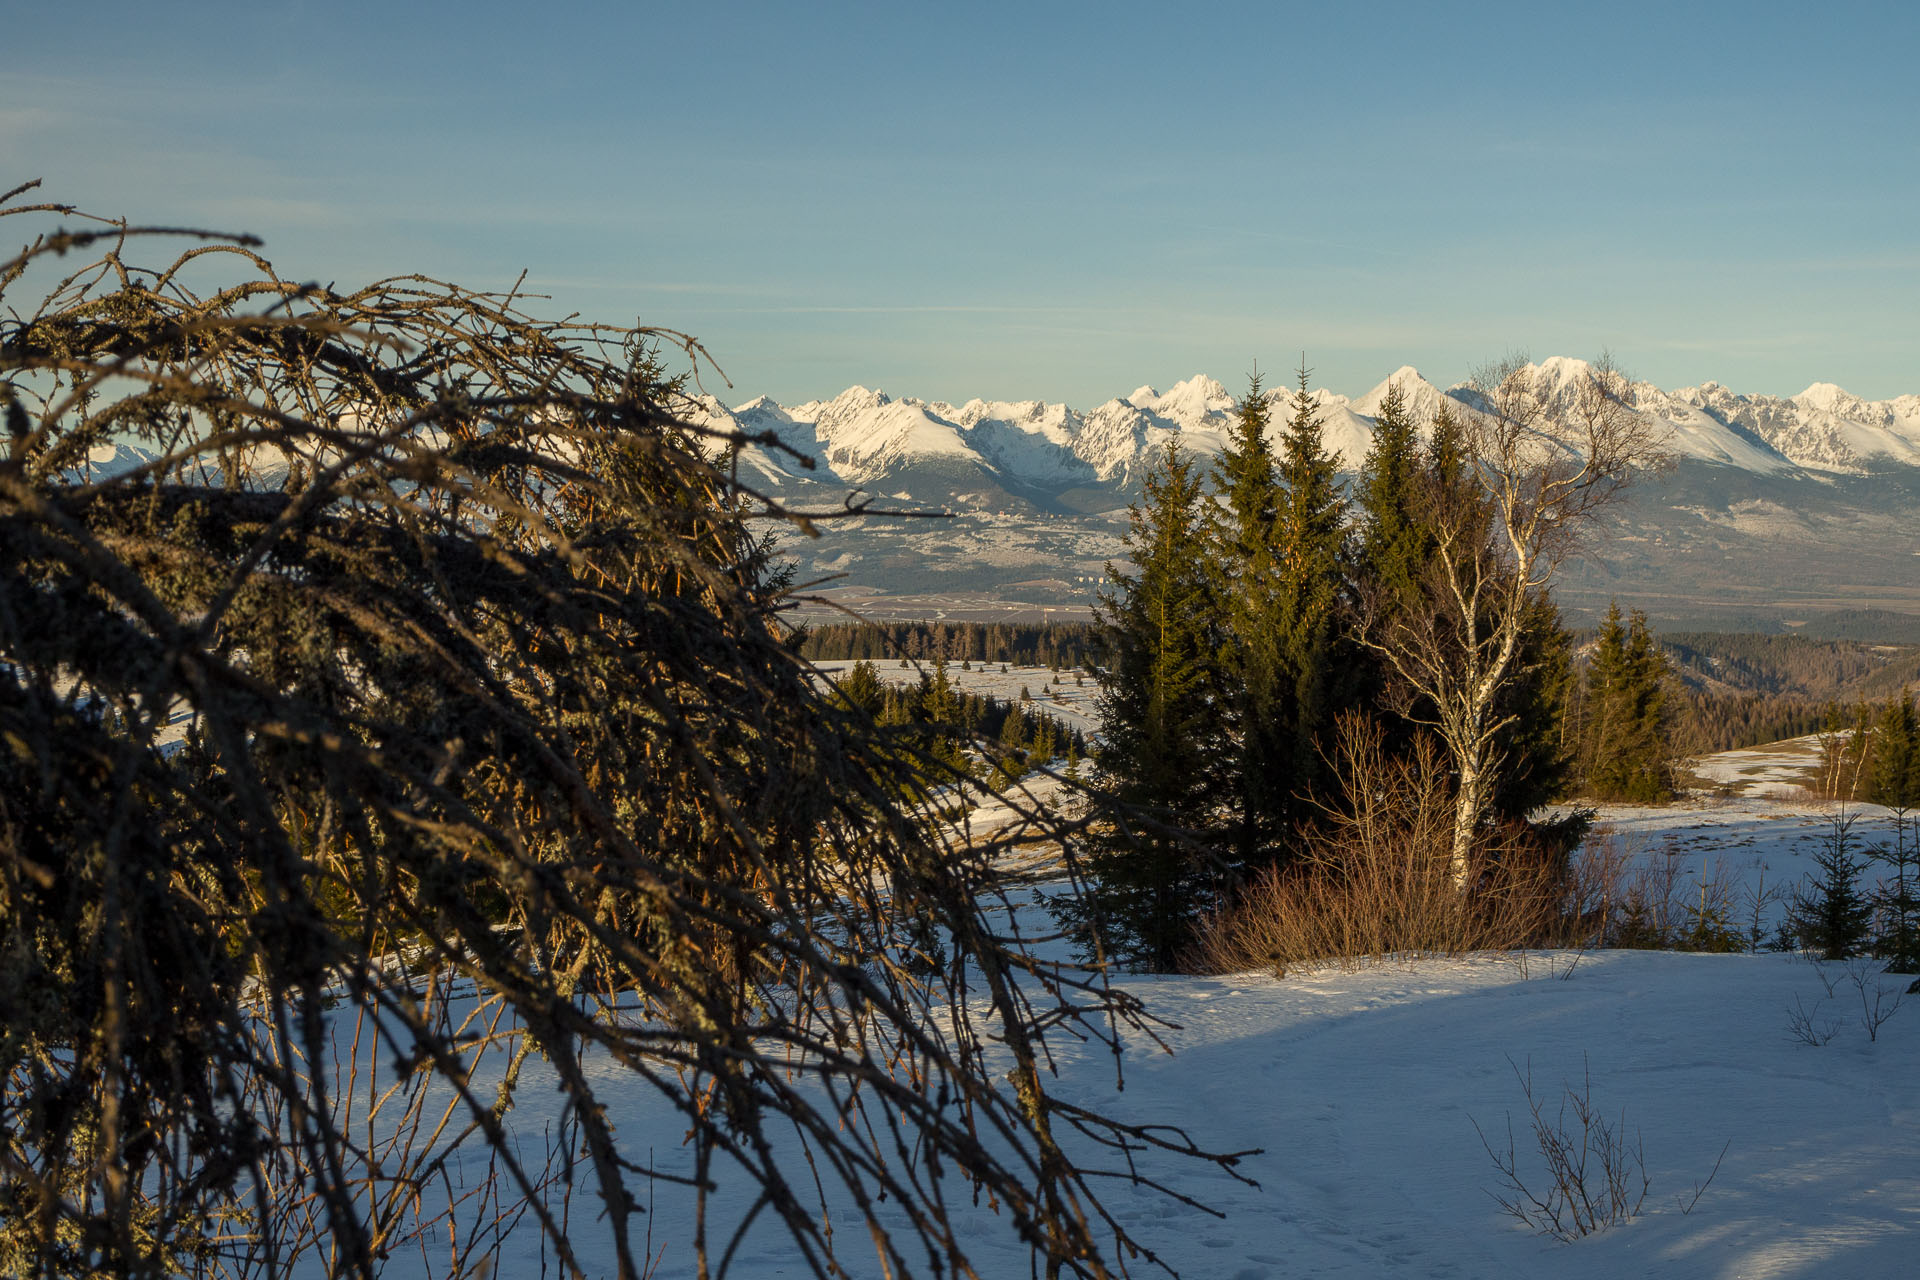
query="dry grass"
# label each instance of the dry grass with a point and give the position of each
(1375, 881)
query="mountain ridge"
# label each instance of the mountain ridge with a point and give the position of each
(865, 439)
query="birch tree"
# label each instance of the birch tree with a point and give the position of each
(1544, 452)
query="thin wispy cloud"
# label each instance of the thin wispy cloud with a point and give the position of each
(1018, 204)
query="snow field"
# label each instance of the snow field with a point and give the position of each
(1069, 703)
(1362, 1089)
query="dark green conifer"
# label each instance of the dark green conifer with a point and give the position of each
(941, 708)
(1895, 757)
(1830, 915)
(1243, 534)
(1535, 762)
(1013, 730)
(1153, 873)
(1895, 763)
(1403, 494)
(1898, 895)
(1245, 476)
(1394, 541)
(1308, 537)
(1626, 747)
(861, 687)
(1392, 546)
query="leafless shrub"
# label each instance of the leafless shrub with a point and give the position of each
(497, 766)
(1594, 1179)
(1806, 1027)
(1688, 1203)
(1651, 905)
(1597, 876)
(1650, 909)
(1757, 900)
(1829, 976)
(1560, 966)
(1378, 880)
(1877, 1002)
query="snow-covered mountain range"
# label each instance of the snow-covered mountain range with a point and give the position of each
(1781, 508)
(1058, 457)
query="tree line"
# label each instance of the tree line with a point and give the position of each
(1055, 645)
(1797, 665)
(1724, 691)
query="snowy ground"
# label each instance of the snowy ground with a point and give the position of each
(1778, 769)
(1364, 1089)
(1071, 704)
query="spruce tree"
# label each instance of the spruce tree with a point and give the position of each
(1898, 897)
(942, 709)
(1405, 493)
(1449, 480)
(1535, 764)
(1013, 742)
(1245, 476)
(1896, 784)
(1243, 534)
(1830, 915)
(1394, 542)
(861, 687)
(1309, 531)
(1153, 872)
(1625, 745)
(1895, 759)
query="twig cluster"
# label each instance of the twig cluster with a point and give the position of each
(1375, 879)
(1594, 1177)
(1878, 1003)
(416, 721)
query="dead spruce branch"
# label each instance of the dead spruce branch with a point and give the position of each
(413, 720)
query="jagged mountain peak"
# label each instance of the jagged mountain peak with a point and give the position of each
(1189, 401)
(1039, 448)
(857, 396)
(1421, 396)
(1827, 397)
(1561, 370)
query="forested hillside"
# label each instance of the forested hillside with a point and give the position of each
(1816, 669)
(1740, 690)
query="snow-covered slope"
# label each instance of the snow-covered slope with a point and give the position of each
(1367, 1095)
(1052, 455)
(1823, 428)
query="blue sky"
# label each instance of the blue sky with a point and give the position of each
(1059, 201)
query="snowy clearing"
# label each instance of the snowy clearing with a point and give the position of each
(1364, 1089)
(1053, 692)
